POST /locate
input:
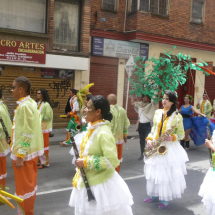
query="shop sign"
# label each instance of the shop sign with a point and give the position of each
(57, 74)
(119, 49)
(25, 52)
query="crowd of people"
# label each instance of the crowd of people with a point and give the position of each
(100, 127)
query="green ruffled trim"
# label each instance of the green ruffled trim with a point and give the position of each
(25, 144)
(213, 160)
(96, 162)
(125, 131)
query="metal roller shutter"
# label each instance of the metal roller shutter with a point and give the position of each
(103, 73)
(58, 91)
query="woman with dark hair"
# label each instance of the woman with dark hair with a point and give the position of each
(98, 157)
(165, 173)
(72, 112)
(186, 111)
(78, 137)
(46, 113)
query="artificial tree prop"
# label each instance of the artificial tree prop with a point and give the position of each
(168, 72)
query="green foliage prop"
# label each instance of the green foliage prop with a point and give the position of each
(168, 72)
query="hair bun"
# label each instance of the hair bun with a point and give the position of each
(108, 116)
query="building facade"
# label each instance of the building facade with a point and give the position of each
(48, 42)
(158, 24)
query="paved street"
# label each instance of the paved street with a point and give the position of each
(55, 183)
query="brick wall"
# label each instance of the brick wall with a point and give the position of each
(50, 22)
(177, 25)
(114, 20)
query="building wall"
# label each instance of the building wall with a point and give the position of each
(114, 20)
(176, 25)
(55, 59)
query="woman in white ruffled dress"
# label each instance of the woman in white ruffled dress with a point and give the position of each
(98, 157)
(79, 136)
(207, 189)
(165, 173)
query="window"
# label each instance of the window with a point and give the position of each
(66, 25)
(197, 11)
(25, 15)
(134, 6)
(144, 5)
(159, 7)
(110, 5)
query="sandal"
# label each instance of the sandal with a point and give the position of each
(63, 144)
(163, 205)
(42, 167)
(151, 199)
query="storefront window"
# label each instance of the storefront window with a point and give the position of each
(66, 25)
(25, 15)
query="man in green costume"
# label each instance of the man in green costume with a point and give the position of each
(119, 125)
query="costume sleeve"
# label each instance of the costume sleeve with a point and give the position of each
(75, 106)
(27, 115)
(179, 131)
(136, 107)
(126, 125)
(209, 108)
(1, 128)
(109, 158)
(151, 134)
(48, 114)
(113, 123)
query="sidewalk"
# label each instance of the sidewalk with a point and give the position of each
(60, 135)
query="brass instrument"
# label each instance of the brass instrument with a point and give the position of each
(158, 147)
(79, 127)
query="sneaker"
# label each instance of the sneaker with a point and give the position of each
(163, 205)
(186, 149)
(151, 199)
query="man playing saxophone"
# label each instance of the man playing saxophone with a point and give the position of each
(165, 172)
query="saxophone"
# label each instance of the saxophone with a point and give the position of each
(158, 147)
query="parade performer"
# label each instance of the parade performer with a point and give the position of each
(46, 114)
(73, 115)
(146, 110)
(207, 187)
(165, 173)
(4, 143)
(119, 126)
(186, 111)
(205, 106)
(79, 136)
(26, 144)
(99, 158)
(213, 111)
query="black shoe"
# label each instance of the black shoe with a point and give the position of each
(140, 158)
(51, 134)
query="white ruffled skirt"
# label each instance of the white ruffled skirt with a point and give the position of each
(207, 191)
(113, 197)
(165, 174)
(78, 140)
